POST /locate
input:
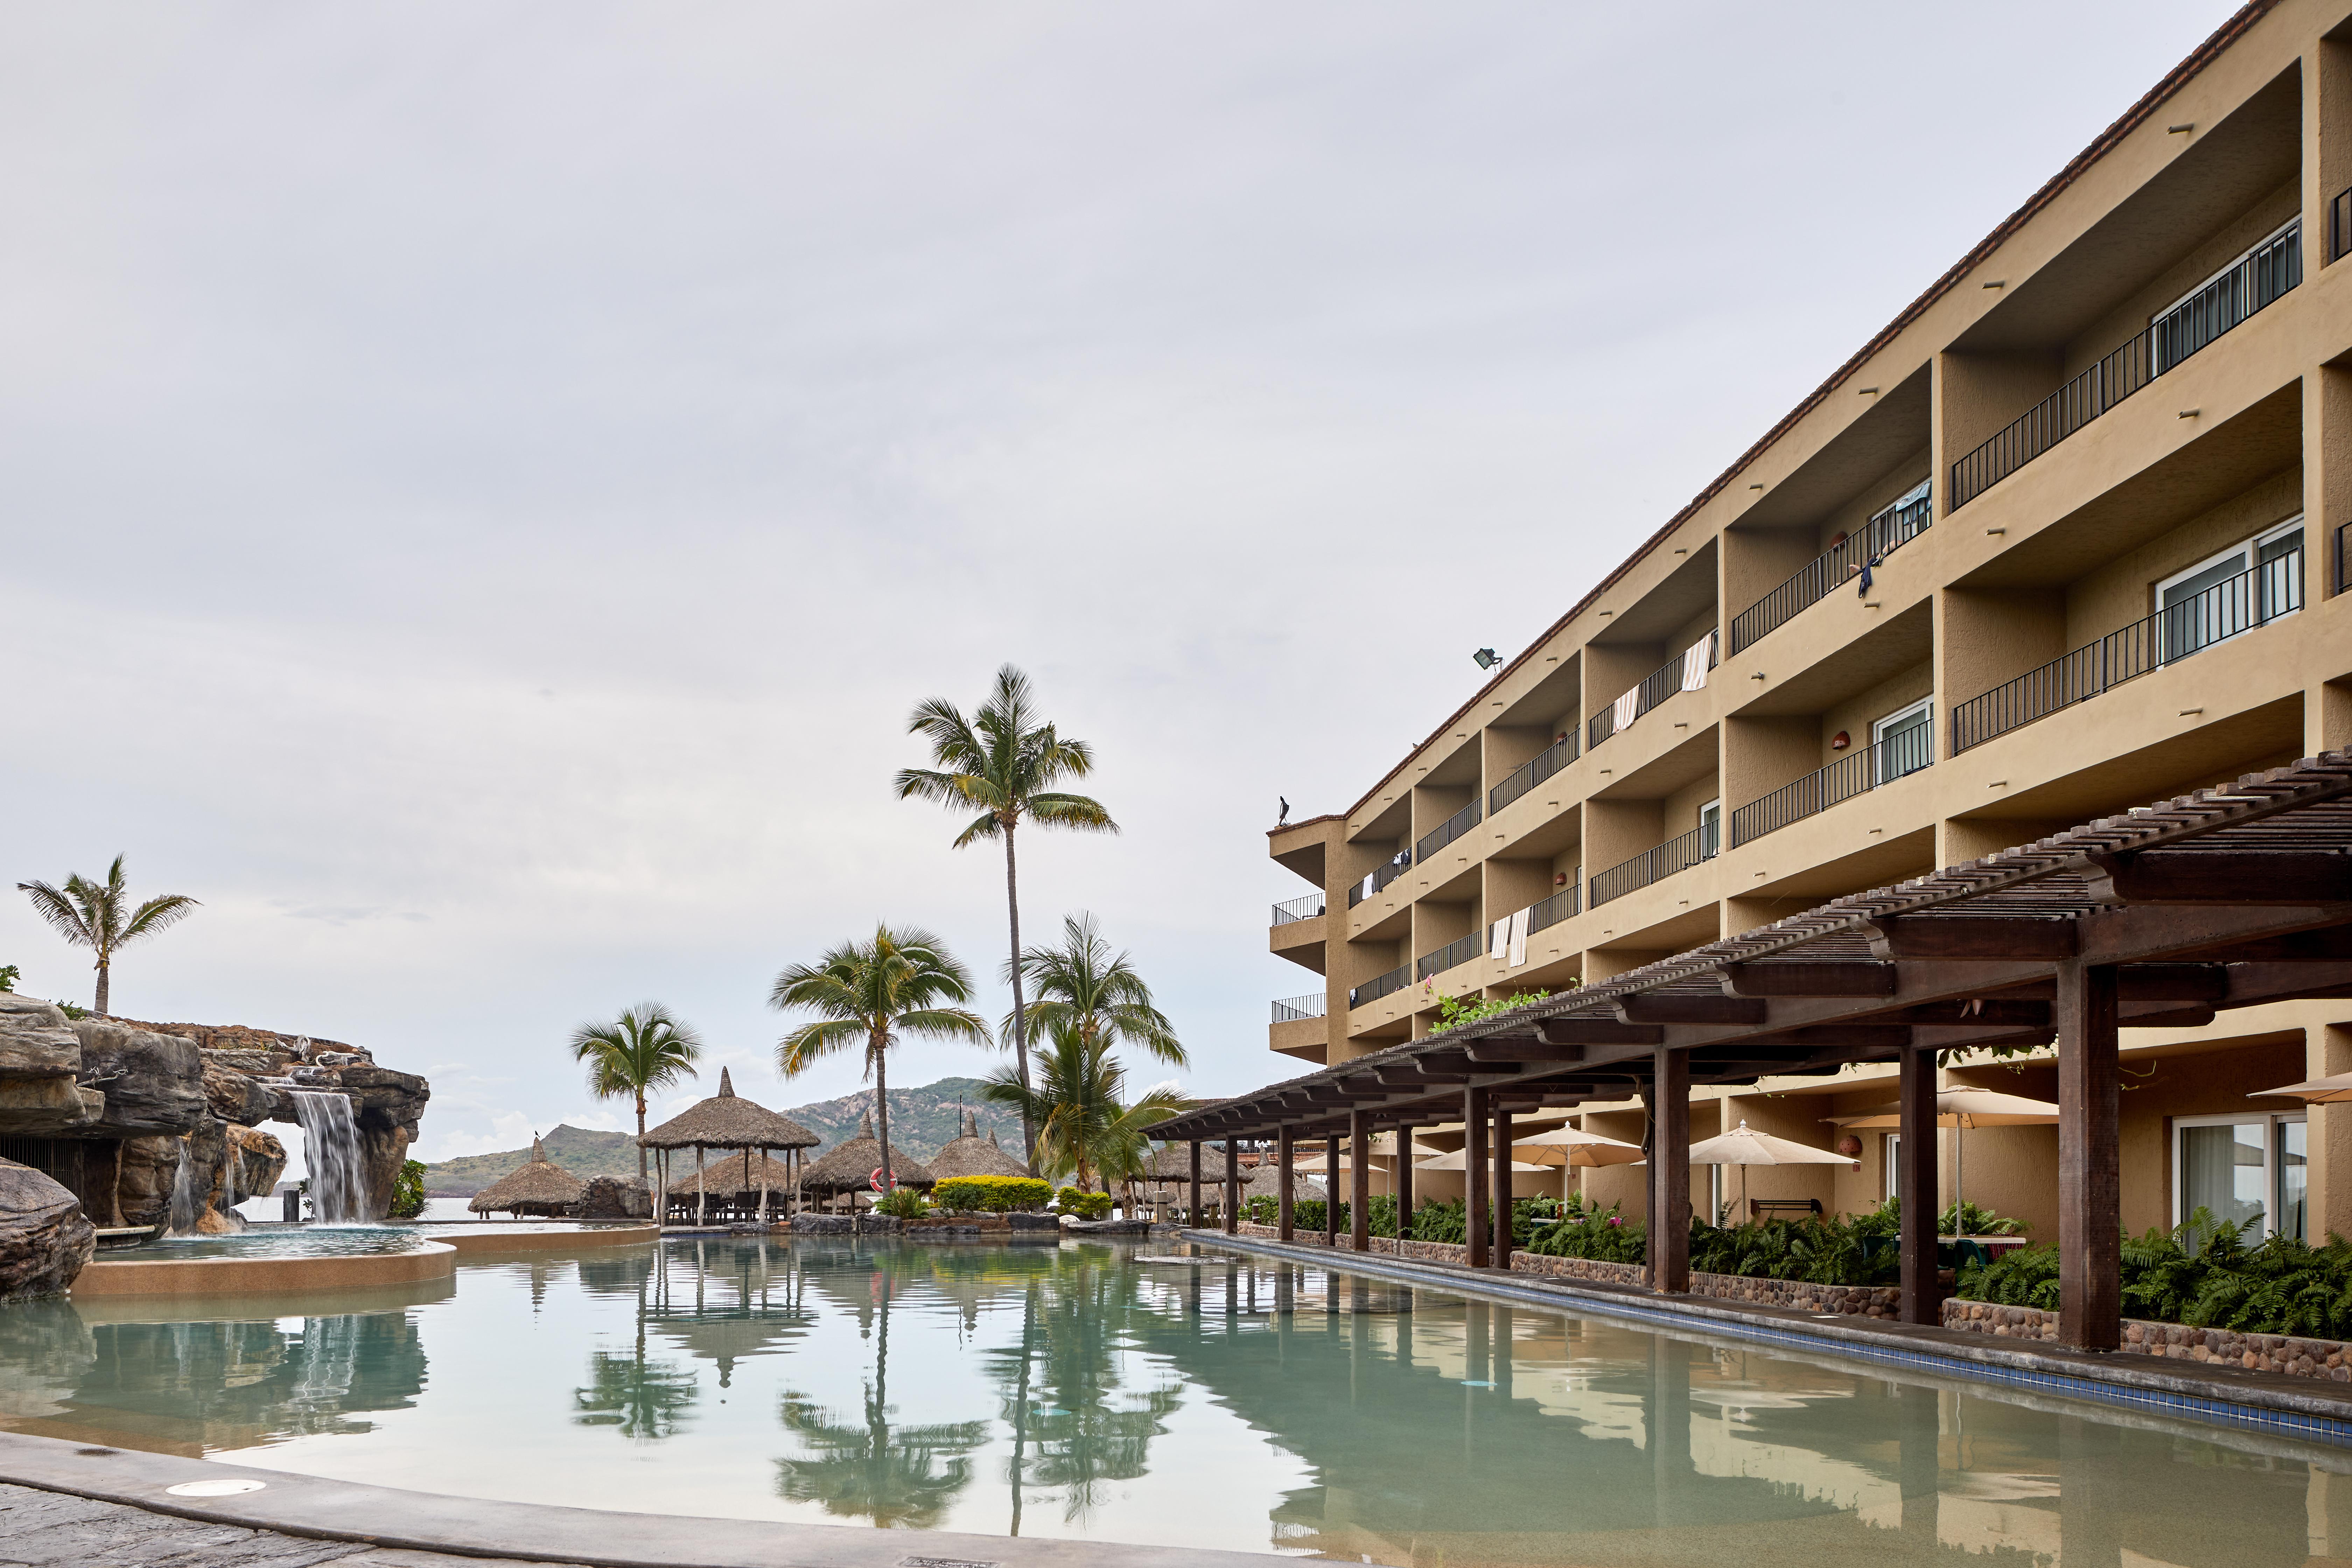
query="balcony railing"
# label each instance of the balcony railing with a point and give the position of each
(1288, 1008)
(1305, 908)
(1879, 538)
(1655, 866)
(1561, 906)
(1381, 985)
(1462, 950)
(2343, 558)
(1447, 831)
(1365, 887)
(2339, 227)
(1655, 687)
(1525, 777)
(2234, 606)
(2258, 278)
(1904, 751)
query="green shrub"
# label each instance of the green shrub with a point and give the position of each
(1602, 1235)
(408, 1191)
(8, 973)
(993, 1194)
(1453, 1012)
(902, 1202)
(1084, 1205)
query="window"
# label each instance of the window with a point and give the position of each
(2241, 1168)
(1892, 1160)
(1710, 829)
(1902, 518)
(2239, 589)
(1903, 741)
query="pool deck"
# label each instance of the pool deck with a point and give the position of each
(83, 1506)
(436, 1258)
(2304, 1407)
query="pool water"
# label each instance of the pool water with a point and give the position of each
(1070, 1389)
(305, 1241)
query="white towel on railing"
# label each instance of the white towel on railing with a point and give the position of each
(1518, 939)
(1695, 662)
(1498, 938)
(1622, 714)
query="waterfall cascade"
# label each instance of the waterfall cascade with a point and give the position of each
(186, 1202)
(330, 1142)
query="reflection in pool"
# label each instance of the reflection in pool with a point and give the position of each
(304, 1241)
(1068, 1391)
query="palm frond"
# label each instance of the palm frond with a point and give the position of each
(57, 911)
(804, 1046)
(159, 913)
(943, 1024)
(1082, 813)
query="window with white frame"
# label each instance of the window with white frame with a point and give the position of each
(1903, 741)
(1891, 1156)
(2253, 580)
(2243, 1166)
(1710, 829)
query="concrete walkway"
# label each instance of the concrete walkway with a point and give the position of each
(54, 1530)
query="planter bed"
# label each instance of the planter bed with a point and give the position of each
(2290, 1354)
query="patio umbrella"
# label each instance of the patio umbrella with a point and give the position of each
(1960, 1109)
(1577, 1148)
(1744, 1146)
(1454, 1162)
(2318, 1091)
(540, 1187)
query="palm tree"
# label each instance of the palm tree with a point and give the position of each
(93, 915)
(1006, 763)
(1082, 985)
(643, 1049)
(1083, 1125)
(868, 994)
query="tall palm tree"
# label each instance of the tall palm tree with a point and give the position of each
(1006, 763)
(1082, 985)
(643, 1049)
(1083, 1122)
(866, 995)
(98, 915)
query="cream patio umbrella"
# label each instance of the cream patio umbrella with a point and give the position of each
(1572, 1146)
(2315, 1091)
(1744, 1146)
(1454, 1162)
(1960, 1109)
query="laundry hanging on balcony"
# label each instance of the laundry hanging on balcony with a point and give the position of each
(1519, 937)
(1695, 660)
(1624, 710)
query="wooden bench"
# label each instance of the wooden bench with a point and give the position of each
(1772, 1208)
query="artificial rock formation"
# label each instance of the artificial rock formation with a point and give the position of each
(44, 1238)
(616, 1197)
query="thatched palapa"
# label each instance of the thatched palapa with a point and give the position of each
(1173, 1162)
(969, 1154)
(540, 1187)
(737, 1177)
(850, 1167)
(724, 1120)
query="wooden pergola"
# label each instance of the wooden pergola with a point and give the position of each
(2162, 918)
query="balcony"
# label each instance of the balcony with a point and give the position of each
(1903, 753)
(1655, 687)
(1462, 950)
(1562, 905)
(1297, 910)
(1701, 843)
(2343, 558)
(1547, 762)
(2229, 608)
(1290, 1009)
(2260, 278)
(1360, 890)
(2339, 227)
(1841, 563)
(1447, 832)
(1372, 990)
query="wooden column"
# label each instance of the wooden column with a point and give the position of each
(1233, 1205)
(1473, 1176)
(1670, 1210)
(1331, 1191)
(1192, 1214)
(1404, 1182)
(1359, 1183)
(1502, 1183)
(1286, 1147)
(2089, 1194)
(1915, 1187)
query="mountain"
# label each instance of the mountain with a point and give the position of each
(921, 1120)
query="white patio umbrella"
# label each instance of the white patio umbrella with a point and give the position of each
(1454, 1162)
(1960, 1109)
(2317, 1091)
(1570, 1146)
(1744, 1146)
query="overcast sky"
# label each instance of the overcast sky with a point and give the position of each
(484, 483)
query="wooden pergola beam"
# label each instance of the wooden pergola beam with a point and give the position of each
(1809, 978)
(2221, 877)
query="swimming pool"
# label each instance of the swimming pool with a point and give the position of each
(1075, 1389)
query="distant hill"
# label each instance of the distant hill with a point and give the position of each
(921, 1120)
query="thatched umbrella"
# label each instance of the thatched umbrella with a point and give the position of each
(732, 1182)
(724, 1120)
(541, 1186)
(969, 1154)
(849, 1167)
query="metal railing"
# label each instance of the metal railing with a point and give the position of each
(1364, 888)
(1655, 687)
(2339, 227)
(2227, 608)
(2258, 278)
(1372, 990)
(1460, 950)
(2343, 558)
(1305, 908)
(1907, 751)
(1879, 538)
(1562, 905)
(1656, 865)
(1287, 1008)
(1447, 831)
(1528, 774)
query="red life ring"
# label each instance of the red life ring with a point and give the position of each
(875, 1181)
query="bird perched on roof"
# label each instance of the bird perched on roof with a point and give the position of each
(1286, 811)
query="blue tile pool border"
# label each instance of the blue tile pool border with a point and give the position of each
(1994, 1364)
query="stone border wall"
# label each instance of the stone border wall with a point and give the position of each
(1854, 1300)
(2288, 1353)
